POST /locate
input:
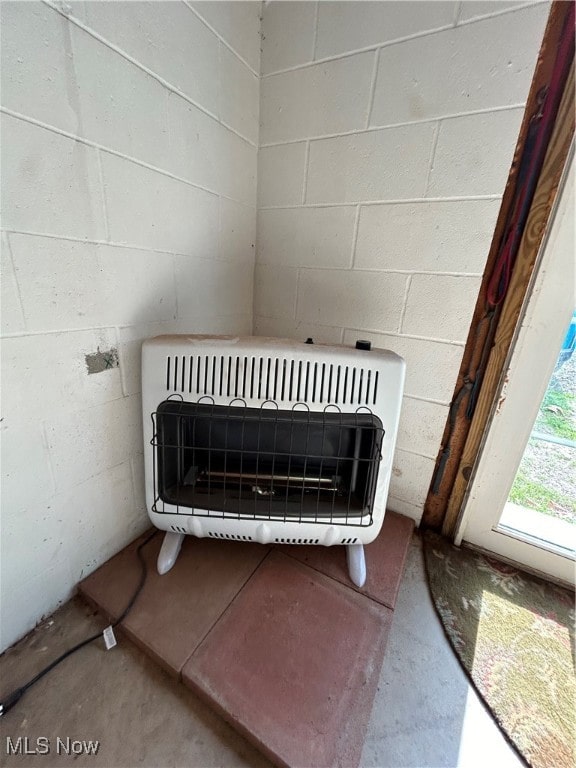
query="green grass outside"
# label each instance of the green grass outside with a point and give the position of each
(557, 415)
(533, 495)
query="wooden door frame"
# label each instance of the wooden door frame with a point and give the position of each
(465, 435)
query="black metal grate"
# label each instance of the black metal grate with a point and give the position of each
(265, 463)
(271, 378)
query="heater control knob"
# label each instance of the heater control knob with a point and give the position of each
(363, 344)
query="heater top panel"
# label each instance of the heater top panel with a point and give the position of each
(256, 369)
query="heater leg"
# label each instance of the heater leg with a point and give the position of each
(356, 563)
(169, 551)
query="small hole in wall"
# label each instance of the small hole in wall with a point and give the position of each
(102, 360)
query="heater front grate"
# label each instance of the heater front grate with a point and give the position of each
(266, 463)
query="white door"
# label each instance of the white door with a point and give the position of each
(489, 520)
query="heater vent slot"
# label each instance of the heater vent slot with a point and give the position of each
(271, 378)
(349, 541)
(233, 536)
(297, 541)
(178, 529)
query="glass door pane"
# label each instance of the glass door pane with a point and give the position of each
(542, 500)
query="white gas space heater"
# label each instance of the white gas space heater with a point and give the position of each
(269, 440)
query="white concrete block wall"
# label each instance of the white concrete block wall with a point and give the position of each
(129, 138)
(130, 135)
(387, 132)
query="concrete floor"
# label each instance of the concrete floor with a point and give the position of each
(425, 712)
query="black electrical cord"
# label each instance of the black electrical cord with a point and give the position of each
(13, 698)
